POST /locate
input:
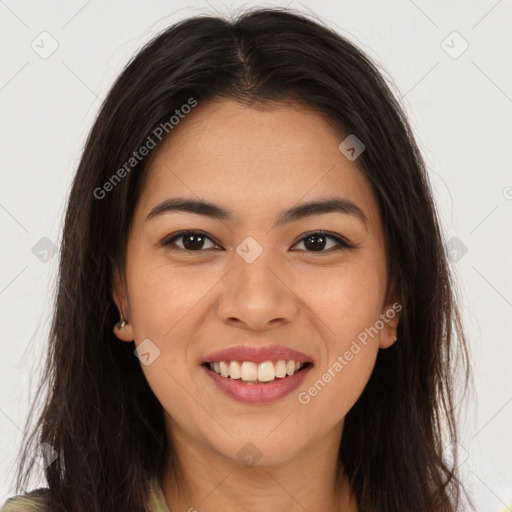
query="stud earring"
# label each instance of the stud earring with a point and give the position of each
(121, 322)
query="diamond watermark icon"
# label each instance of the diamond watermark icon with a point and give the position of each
(147, 352)
(249, 250)
(249, 454)
(44, 250)
(45, 45)
(455, 249)
(351, 147)
(45, 455)
(454, 45)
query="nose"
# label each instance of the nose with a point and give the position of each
(256, 295)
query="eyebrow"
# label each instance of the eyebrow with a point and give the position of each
(333, 205)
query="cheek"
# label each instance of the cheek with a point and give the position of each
(345, 299)
(164, 304)
(168, 305)
(164, 294)
(337, 386)
(346, 305)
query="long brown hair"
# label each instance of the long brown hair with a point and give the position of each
(100, 415)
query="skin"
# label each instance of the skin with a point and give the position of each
(256, 162)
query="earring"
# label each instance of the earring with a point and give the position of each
(121, 322)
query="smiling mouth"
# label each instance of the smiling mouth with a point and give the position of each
(249, 372)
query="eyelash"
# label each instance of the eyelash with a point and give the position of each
(342, 244)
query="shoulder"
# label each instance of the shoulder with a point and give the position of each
(38, 500)
(33, 501)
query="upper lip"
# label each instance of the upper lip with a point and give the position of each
(256, 354)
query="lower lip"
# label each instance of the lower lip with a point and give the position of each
(258, 393)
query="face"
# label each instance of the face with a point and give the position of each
(256, 278)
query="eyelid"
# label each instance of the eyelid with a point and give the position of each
(168, 240)
(342, 242)
(338, 238)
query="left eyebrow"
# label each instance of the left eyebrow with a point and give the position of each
(334, 205)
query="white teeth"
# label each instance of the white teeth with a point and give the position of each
(266, 371)
(249, 371)
(281, 369)
(234, 370)
(224, 370)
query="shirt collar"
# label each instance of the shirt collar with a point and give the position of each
(157, 503)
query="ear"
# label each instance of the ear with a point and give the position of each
(391, 314)
(120, 296)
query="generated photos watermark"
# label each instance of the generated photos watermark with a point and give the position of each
(158, 133)
(304, 397)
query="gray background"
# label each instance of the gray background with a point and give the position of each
(459, 103)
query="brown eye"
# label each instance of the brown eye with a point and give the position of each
(197, 241)
(318, 241)
(191, 241)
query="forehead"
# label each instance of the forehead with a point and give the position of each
(255, 161)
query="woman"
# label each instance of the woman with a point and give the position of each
(255, 308)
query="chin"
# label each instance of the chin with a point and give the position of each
(258, 450)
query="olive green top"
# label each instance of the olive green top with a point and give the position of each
(37, 500)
